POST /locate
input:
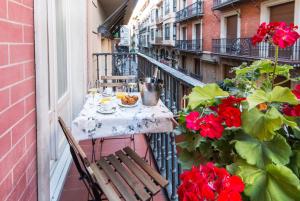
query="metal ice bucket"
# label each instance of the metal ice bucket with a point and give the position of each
(150, 91)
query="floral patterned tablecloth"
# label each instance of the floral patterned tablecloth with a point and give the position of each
(91, 124)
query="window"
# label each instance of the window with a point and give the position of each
(174, 31)
(174, 5)
(167, 31)
(167, 7)
(152, 34)
(197, 66)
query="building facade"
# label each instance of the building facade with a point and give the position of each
(212, 36)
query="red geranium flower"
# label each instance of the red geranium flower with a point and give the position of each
(292, 111)
(231, 116)
(296, 91)
(231, 101)
(278, 33)
(211, 126)
(209, 183)
(192, 121)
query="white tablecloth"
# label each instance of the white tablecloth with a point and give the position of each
(125, 121)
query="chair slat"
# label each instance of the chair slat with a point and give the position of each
(157, 177)
(105, 186)
(135, 184)
(142, 176)
(116, 180)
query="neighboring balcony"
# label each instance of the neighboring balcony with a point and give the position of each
(159, 19)
(191, 11)
(158, 40)
(189, 45)
(243, 48)
(219, 4)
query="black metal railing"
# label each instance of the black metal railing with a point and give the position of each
(115, 64)
(189, 45)
(243, 47)
(163, 145)
(193, 10)
(217, 4)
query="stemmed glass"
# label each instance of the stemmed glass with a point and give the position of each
(92, 89)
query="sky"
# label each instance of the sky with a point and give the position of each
(137, 9)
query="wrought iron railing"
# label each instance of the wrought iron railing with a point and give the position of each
(217, 4)
(163, 145)
(189, 45)
(243, 47)
(193, 10)
(176, 85)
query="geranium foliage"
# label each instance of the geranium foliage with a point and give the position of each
(250, 126)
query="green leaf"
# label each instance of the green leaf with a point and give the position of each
(205, 95)
(191, 142)
(188, 159)
(278, 94)
(275, 183)
(261, 153)
(262, 125)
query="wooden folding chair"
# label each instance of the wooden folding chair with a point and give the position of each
(120, 176)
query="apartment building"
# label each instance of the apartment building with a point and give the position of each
(212, 36)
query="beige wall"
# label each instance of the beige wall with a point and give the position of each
(96, 43)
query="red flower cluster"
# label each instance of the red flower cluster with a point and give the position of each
(278, 33)
(293, 111)
(210, 183)
(211, 125)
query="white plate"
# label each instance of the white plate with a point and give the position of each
(129, 106)
(102, 111)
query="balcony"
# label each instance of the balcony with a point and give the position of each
(242, 48)
(220, 4)
(189, 12)
(158, 40)
(159, 19)
(194, 46)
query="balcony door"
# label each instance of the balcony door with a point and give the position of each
(197, 37)
(183, 43)
(282, 13)
(231, 34)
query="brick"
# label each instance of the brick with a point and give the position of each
(23, 127)
(12, 158)
(31, 188)
(3, 55)
(29, 69)
(18, 190)
(28, 34)
(29, 103)
(11, 116)
(3, 10)
(31, 170)
(21, 52)
(10, 32)
(10, 75)
(22, 89)
(6, 186)
(31, 137)
(20, 169)
(19, 13)
(28, 3)
(4, 97)
(5, 144)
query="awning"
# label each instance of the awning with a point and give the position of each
(113, 22)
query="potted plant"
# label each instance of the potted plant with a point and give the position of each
(243, 143)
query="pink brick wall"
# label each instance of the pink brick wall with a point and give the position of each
(17, 102)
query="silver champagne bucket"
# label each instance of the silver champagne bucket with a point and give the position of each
(150, 91)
